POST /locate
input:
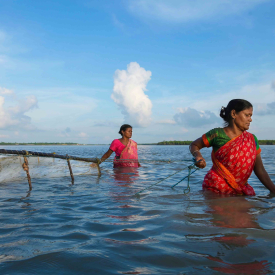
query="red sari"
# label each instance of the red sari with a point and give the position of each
(233, 164)
(128, 156)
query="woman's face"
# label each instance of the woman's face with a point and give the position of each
(243, 118)
(127, 133)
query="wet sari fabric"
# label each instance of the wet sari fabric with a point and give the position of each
(128, 157)
(233, 164)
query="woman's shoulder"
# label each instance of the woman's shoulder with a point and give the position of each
(115, 142)
(215, 131)
(134, 142)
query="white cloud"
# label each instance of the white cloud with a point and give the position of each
(4, 91)
(128, 94)
(166, 121)
(189, 10)
(83, 135)
(192, 118)
(15, 117)
(268, 109)
(24, 105)
(4, 136)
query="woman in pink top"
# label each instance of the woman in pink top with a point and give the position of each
(125, 149)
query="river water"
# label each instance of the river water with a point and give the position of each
(97, 226)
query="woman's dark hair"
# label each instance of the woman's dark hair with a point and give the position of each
(124, 127)
(235, 104)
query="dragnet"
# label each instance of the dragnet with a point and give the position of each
(11, 168)
(16, 165)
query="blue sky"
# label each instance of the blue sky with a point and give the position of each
(75, 71)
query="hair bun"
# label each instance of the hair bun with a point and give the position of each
(222, 112)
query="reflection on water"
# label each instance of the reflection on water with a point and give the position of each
(231, 212)
(97, 226)
(125, 175)
(255, 267)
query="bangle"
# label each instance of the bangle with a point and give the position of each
(195, 152)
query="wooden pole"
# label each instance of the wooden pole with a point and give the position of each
(71, 171)
(98, 169)
(49, 155)
(25, 166)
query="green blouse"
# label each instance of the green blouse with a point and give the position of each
(217, 138)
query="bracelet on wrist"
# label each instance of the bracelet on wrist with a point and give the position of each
(195, 152)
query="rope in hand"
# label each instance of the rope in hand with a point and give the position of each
(187, 189)
(158, 182)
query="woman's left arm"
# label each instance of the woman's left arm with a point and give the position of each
(262, 175)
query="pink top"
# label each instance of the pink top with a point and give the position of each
(117, 147)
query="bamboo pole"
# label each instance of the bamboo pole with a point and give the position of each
(25, 166)
(71, 171)
(98, 169)
(49, 155)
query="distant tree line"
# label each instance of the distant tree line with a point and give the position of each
(267, 142)
(175, 142)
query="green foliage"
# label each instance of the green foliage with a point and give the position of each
(267, 142)
(175, 142)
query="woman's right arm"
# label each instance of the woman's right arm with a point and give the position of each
(106, 155)
(194, 148)
(262, 175)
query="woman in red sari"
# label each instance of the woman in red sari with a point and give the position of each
(236, 153)
(125, 149)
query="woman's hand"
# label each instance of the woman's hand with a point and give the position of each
(194, 148)
(200, 162)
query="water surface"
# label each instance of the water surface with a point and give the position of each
(97, 226)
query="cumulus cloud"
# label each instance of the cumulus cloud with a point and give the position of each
(15, 117)
(268, 109)
(166, 121)
(129, 94)
(192, 118)
(83, 135)
(189, 10)
(4, 91)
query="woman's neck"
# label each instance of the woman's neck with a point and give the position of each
(124, 140)
(232, 130)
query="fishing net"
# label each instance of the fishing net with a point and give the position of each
(18, 165)
(43, 167)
